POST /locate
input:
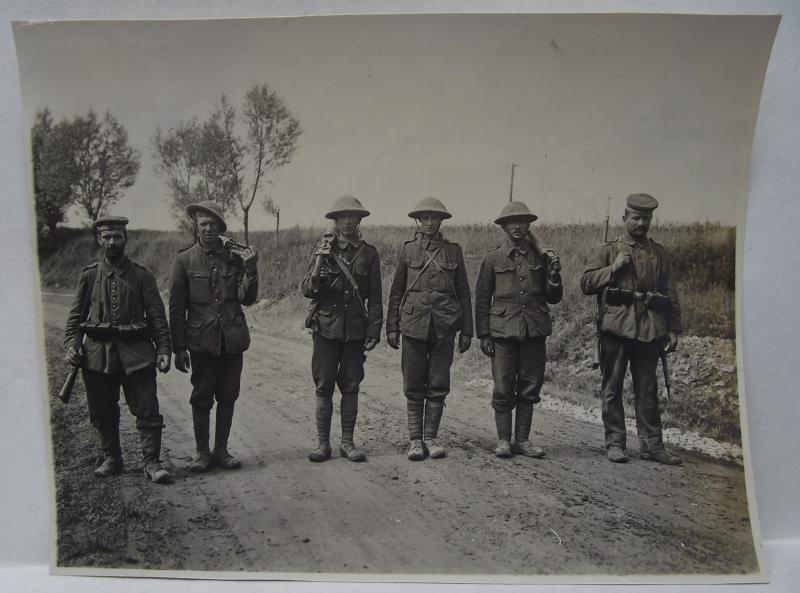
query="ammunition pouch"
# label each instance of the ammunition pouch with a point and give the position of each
(104, 330)
(657, 301)
(654, 301)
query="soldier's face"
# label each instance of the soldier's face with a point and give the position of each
(637, 223)
(207, 227)
(347, 224)
(516, 228)
(429, 224)
(112, 242)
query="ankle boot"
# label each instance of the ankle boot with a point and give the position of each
(202, 461)
(522, 430)
(221, 432)
(108, 437)
(323, 413)
(349, 413)
(150, 439)
(415, 410)
(503, 423)
(433, 416)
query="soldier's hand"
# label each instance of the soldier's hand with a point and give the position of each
(464, 342)
(622, 260)
(487, 346)
(250, 259)
(182, 361)
(370, 343)
(672, 344)
(163, 362)
(74, 357)
(324, 245)
(554, 262)
(393, 339)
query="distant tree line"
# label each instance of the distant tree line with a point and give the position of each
(87, 161)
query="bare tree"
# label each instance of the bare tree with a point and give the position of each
(105, 164)
(273, 210)
(270, 141)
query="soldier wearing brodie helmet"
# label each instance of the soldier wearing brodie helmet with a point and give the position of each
(429, 303)
(516, 281)
(639, 316)
(117, 333)
(209, 332)
(345, 315)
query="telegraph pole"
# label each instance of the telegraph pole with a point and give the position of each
(511, 187)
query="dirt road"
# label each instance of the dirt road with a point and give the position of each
(572, 512)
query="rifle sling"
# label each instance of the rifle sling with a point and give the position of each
(421, 272)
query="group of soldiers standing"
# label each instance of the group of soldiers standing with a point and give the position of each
(117, 329)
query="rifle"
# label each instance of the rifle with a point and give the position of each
(599, 311)
(667, 380)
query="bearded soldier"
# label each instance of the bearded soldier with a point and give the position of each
(429, 303)
(209, 332)
(118, 310)
(639, 316)
(516, 281)
(345, 315)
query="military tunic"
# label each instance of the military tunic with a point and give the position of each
(437, 305)
(512, 297)
(119, 295)
(208, 288)
(342, 318)
(632, 333)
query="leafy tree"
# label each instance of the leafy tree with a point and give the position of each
(53, 173)
(212, 160)
(105, 164)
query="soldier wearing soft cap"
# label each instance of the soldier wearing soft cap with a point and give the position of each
(639, 316)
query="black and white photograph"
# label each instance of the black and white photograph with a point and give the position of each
(408, 297)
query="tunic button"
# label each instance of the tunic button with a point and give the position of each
(216, 300)
(522, 292)
(522, 278)
(524, 306)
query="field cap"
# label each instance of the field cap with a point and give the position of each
(515, 210)
(429, 206)
(346, 205)
(642, 202)
(110, 222)
(209, 207)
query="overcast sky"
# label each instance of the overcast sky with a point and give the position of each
(396, 108)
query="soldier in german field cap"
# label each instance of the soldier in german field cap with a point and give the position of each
(638, 317)
(516, 282)
(429, 303)
(345, 316)
(117, 333)
(209, 286)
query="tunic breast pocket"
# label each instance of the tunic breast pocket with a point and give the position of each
(447, 279)
(535, 281)
(199, 286)
(361, 274)
(228, 281)
(504, 281)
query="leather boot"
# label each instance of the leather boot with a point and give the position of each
(662, 456)
(349, 413)
(108, 437)
(502, 421)
(323, 414)
(433, 416)
(223, 429)
(150, 439)
(202, 461)
(522, 430)
(415, 410)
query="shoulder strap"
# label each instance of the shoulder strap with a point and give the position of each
(421, 272)
(446, 275)
(346, 271)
